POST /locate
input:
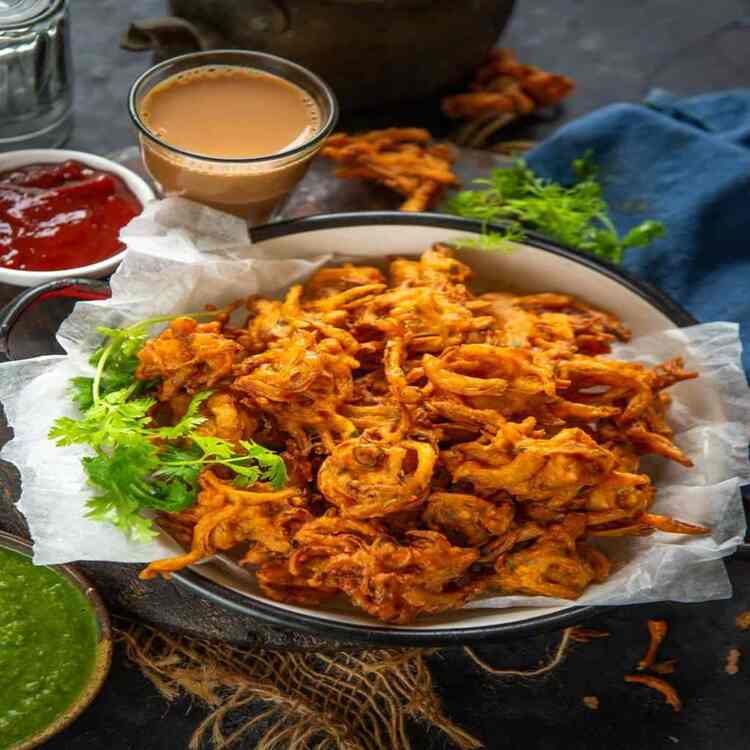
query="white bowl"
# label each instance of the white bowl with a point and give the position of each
(16, 159)
(535, 265)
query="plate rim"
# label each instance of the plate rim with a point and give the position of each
(404, 636)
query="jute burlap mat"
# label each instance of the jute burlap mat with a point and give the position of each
(302, 700)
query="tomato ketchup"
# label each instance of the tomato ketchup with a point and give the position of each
(58, 216)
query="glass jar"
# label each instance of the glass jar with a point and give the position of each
(36, 76)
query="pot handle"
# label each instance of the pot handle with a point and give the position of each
(173, 35)
(80, 289)
(169, 36)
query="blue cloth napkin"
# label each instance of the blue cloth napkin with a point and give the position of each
(685, 162)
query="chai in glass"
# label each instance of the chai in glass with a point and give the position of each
(233, 137)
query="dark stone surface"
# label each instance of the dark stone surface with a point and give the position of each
(545, 714)
(615, 51)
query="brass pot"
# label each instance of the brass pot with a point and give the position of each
(372, 52)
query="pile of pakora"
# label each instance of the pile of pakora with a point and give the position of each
(402, 159)
(502, 91)
(440, 445)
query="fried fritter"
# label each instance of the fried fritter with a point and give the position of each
(503, 90)
(188, 355)
(552, 566)
(368, 477)
(225, 516)
(467, 520)
(439, 444)
(392, 581)
(401, 159)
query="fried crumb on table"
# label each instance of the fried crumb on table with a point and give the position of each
(441, 445)
(732, 665)
(662, 686)
(586, 635)
(591, 701)
(742, 621)
(657, 630)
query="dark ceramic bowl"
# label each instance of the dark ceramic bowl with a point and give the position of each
(103, 649)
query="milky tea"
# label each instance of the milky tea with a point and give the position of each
(222, 115)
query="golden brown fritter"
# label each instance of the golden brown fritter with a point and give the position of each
(187, 355)
(225, 516)
(402, 159)
(370, 477)
(439, 444)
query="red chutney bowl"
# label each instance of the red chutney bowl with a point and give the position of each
(81, 191)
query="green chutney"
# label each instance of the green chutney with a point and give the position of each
(48, 642)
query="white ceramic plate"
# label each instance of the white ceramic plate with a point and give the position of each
(141, 190)
(538, 265)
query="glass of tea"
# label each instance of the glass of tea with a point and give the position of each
(232, 129)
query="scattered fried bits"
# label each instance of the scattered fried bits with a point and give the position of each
(402, 159)
(669, 693)
(586, 635)
(742, 621)
(439, 444)
(733, 661)
(657, 629)
(502, 91)
(591, 701)
(664, 667)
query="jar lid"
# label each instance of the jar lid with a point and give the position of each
(15, 13)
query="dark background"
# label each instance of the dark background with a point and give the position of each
(615, 50)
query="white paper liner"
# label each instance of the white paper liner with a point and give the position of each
(182, 256)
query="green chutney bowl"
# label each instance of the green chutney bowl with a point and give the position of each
(102, 657)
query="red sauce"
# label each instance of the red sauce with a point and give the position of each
(57, 216)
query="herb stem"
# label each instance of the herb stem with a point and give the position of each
(100, 369)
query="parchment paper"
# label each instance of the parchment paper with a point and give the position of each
(182, 256)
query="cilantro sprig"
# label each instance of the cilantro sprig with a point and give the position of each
(136, 464)
(577, 216)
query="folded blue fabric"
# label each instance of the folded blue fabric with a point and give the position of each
(685, 162)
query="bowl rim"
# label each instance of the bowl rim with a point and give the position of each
(103, 658)
(405, 636)
(24, 157)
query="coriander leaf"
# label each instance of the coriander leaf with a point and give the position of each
(584, 166)
(189, 421)
(136, 464)
(271, 464)
(643, 234)
(81, 392)
(213, 447)
(120, 481)
(577, 215)
(493, 241)
(125, 485)
(113, 420)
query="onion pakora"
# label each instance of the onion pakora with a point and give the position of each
(503, 90)
(401, 159)
(440, 445)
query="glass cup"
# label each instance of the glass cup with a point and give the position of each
(252, 188)
(36, 77)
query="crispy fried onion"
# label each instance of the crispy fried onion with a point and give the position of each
(226, 516)
(439, 443)
(553, 469)
(656, 683)
(393, 581)
(554, 565)
(370, 477)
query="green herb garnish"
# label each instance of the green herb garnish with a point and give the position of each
(576, 216)
(135, 463)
